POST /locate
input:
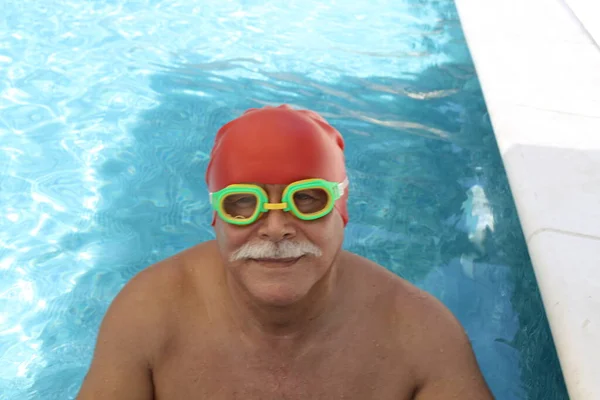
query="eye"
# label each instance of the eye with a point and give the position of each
(240, 201)
(245, 201)
(304, 197)
(310, 200)
(240, 205)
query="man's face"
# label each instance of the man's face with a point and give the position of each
(252, 254)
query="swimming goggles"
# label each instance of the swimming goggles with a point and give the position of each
(309, 199)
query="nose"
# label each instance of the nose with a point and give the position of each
(276, 226)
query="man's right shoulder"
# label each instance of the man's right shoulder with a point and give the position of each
(160, 288)
(144, 306)
(162, 282)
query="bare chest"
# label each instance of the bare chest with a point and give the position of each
(222, 372)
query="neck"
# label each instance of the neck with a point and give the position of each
(292, 322)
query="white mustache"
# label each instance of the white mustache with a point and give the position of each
(264, 249)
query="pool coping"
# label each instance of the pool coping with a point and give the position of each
(538, 62)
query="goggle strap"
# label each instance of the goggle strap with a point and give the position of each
(342, 187)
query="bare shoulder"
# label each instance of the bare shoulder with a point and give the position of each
(417, 308)
(146, 303)
(391, 288)
(427, 333)
(156, 283)
(164, 280)
(135, 330)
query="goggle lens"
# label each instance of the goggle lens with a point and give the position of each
(240, 206)
(310, 201)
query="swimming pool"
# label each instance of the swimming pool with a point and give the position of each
(107, 114)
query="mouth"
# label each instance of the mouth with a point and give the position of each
(276, 262)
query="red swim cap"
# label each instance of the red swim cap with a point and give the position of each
(277, 145)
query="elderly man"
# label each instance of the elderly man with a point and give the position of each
(274, 308)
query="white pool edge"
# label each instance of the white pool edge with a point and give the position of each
(538, 62)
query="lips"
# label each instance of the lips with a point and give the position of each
(276, 262)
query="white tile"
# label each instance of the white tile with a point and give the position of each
(546, 74)
(529, 53)
(554, 76)
(518, 124)
(555, 188)
(568, 272)
(521, 19)
(588, 12)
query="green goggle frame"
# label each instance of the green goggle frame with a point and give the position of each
(257, 201)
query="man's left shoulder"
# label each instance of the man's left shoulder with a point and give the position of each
(432, 338)
(414, 308)
(421, 333)
(429, 318)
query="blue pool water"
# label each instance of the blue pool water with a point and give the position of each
(108, 110)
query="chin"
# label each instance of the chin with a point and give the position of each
(280, 297)
(277, 293)
(278, 286)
